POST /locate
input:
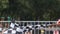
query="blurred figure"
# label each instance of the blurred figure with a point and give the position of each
(1, 28)
(58, 22)
(6, 25)
(56, 32)
(1, 24)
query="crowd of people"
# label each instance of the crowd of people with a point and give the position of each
(12, 27)
(20, 28)
(17, 28)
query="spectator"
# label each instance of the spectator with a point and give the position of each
(58, 22)
(6, 25)
(1, 28)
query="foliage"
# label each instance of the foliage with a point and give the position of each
(31, 9)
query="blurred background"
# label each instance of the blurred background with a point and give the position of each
(29, 10)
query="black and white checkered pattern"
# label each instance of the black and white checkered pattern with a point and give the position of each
(10, 31)
(24, 28)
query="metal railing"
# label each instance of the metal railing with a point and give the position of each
(39, 27)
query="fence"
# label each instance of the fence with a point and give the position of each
(38, 27)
